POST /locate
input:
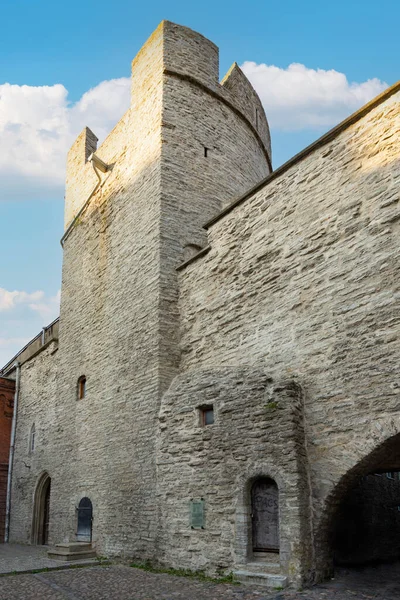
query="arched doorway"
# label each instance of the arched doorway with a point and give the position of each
(265, 515)
(41, 511)
(361, 522)
(367, 522)
(85, 519)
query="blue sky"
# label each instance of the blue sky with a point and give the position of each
(342, 54)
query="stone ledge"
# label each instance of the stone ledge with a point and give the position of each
(268, 580)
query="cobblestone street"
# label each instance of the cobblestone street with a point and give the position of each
(20, 558)
(126, 583)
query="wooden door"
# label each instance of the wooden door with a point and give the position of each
(265, 515)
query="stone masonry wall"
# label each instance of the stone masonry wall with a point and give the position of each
(36, 406)
(257, 431)
(195, 187)
(109, 304)
(302, 279)
(119, 316)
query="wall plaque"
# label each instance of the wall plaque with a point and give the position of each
(197, 514)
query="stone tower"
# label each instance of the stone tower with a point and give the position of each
(133, 213)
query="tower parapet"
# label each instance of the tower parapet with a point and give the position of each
(176, 52)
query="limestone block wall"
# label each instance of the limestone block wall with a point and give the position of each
(212, 152)
(109, 304)
(119, 319)
(36, 407)
(257, 431)
(303, 279)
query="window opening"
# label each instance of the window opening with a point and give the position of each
(32, 439)
(207, 415)
(206, 151)
(81, 387)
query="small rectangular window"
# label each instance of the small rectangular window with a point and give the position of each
(206, 415)
(205, 151)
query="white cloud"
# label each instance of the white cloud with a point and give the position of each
(22, 315)
(46, 307)
(9, 300)
(38, 125)
(302, 98)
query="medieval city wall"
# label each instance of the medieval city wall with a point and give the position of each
(125, 235)
(257, 431)
(109, 304)
(213, 150)
(302, 279)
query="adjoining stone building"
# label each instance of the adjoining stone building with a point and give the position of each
(226, 362)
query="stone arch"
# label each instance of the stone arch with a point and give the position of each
(41, 507)
(378, 450)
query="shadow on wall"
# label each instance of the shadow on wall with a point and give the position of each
(361, 523)
(367, 523)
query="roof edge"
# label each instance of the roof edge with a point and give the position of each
(11, 363)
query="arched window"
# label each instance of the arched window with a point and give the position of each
(85, 519)
(32, 439)
(81, 387)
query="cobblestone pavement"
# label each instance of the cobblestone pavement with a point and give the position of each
(17, 557)
(126, 583)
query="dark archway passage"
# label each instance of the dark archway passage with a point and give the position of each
(265, 515)
(85, 518)
(41, 511)
(364, 525)
(367, 524)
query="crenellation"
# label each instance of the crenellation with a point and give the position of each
(196, 278)
(80, 178)
(239, 90)
(190, 53)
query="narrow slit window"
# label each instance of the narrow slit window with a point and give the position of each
(205, 151)
(81, 387)
(32, 439)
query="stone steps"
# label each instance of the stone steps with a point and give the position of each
(72, 551)
(273, 568)
(268, 580)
